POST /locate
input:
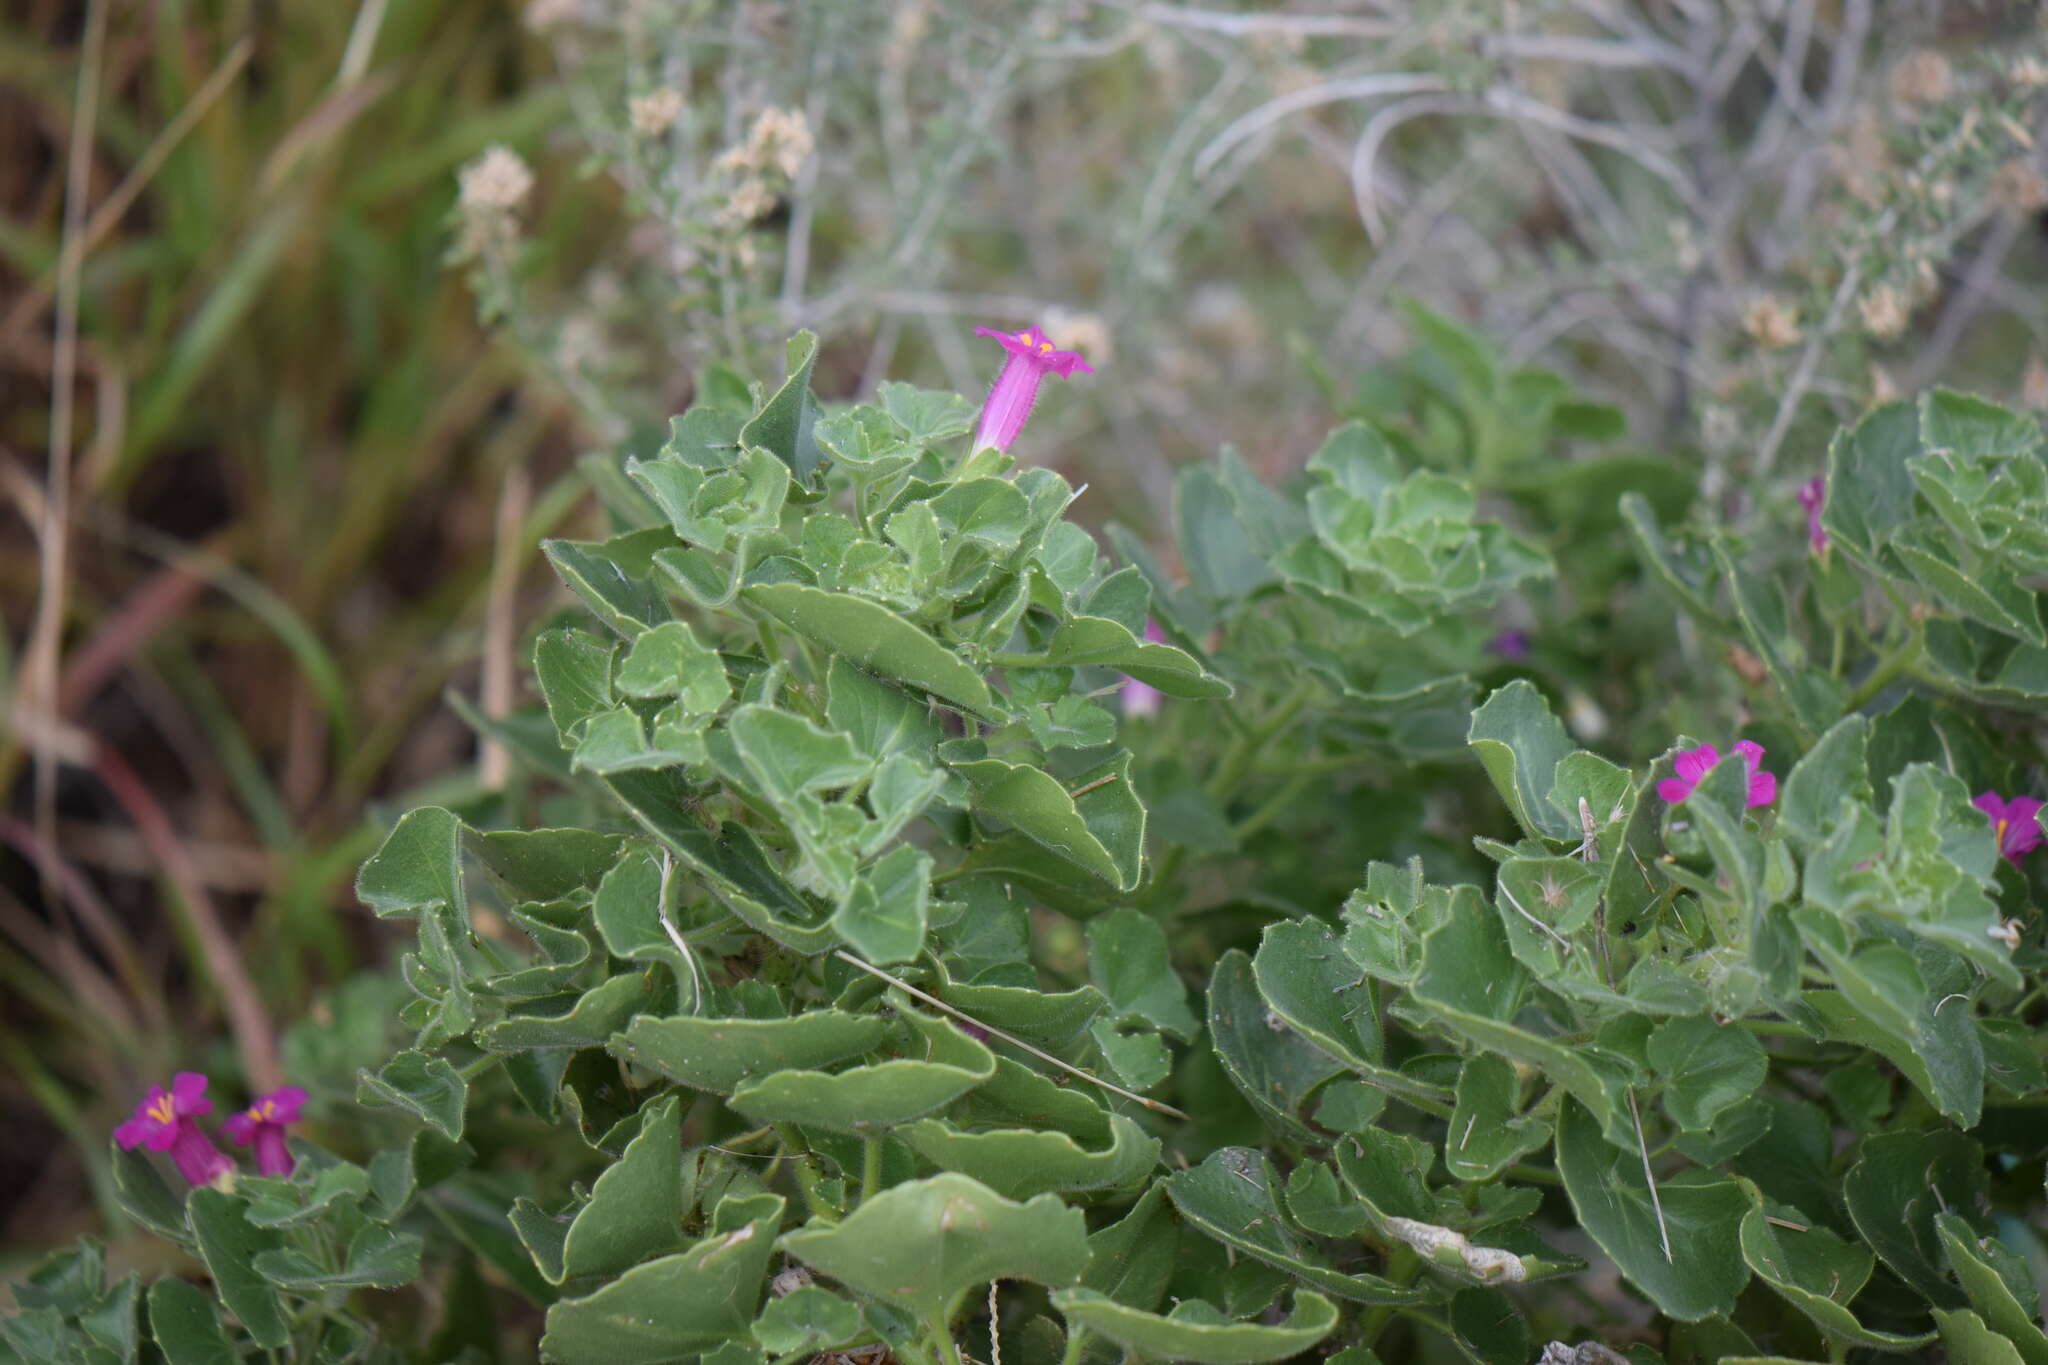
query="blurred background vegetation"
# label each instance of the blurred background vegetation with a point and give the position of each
(315, 317)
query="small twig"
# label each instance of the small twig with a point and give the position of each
(42, 657)
(248, 1020)
(1102, 781)
(115, 204)
(1656, 1204)
(1562, 942)
(682, 945)
(1786, 1223)
(928, 998)
(499, 692)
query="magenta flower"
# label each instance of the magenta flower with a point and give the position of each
(263, 1124)
(1510, 644)
(1695, 764)
(1812, 495)
(1032, 358)
(2015, 822)
(1142, 699)
(164, 1122)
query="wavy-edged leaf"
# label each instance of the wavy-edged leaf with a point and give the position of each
(874, 1098)
(923, 1244)
(878, 640)
(1195, 1331)
(1230, 1198)
(1819, 1274)
(1698, 1215)
(720, 1055)
(1018, 1163)
(678, 1306)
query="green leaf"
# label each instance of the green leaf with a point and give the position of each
(114, 1322)
(788, 754)
(543, 864)
(1834, 769)
(1487, 1132)
(1818, 1273)
(728, 859)
(679, 1306)
(426, 1087)
(878, 640)
(1870, 490)
(1760, 606)
(878, 719)
(574, 669)
(876, 1098)
(1276, 1068)
(185, 1326)
(1691, 587)
(1899, 1183)
(1132, 1259)
(145, 1196)
(720, 1055)
(1129, 963)
(927, 416)
(1043, 1017)
(229, 1245)
(809, 1317)
(418, 865)
(588, 1020)
(1943, 1057)
(1472, 985)
(1970, 1342)
(668, 662)
(378, 1257)
(883, 915)
(1707, 1068)
(1101, 831)
(626, 603)
(923, 1244)
(1018, 1163)
(783, 425)
(1701, 1218)
(1230, 1198)
(1094, 641)
(1194, 1331)
(1970, 425)
(1487, 1327)
(1521, 743)
(1972, 1260)
(1309, 984)
(636, 1207)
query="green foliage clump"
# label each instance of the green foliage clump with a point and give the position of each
(847, 952)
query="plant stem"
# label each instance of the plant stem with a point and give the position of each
(1270, 809)
(1402, 1264)
(1236, 765)
(807, 1177)
(870, 1167)
(1077, 1342)
(949, 1354)
(1887, 671)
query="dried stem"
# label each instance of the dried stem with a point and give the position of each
(1014, 1041)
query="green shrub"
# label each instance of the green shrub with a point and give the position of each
(850, 945)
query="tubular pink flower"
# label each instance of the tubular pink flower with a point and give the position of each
(1694, 764)
(263, 1124)
(2015, 822)
(1142, 699)
(1032, 358)
(164, 1122)
(1813, 495)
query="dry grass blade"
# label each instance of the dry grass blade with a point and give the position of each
(928, 998)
